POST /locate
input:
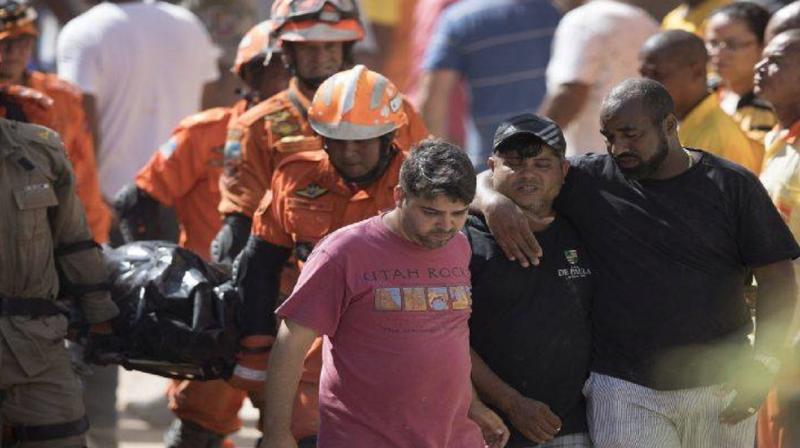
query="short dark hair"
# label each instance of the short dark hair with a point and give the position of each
(436, 167)
(525, 145)
(754, 16)
(653, 96)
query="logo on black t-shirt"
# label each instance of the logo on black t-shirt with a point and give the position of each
(573, 271)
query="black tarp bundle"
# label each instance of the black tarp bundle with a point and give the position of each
(177, 313)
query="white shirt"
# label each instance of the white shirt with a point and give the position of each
(145, 63)
(596, 44)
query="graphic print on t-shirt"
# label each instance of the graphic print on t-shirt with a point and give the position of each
(414, 299)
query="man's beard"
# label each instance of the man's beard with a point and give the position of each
(646, 168)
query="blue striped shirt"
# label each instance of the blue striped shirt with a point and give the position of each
(501, 48)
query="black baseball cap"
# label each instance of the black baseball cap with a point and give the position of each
(529, 124)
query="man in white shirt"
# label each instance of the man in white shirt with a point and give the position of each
(142, 66)
(595, 48)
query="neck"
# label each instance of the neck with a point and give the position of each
(305, 90)
(676, 162)
(684, 109)
(741, 87)
(788, 114)
(392, 221)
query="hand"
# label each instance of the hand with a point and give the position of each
(534, 419)
(749, 388)
(495, 433)
(281, 440)
(513, 229)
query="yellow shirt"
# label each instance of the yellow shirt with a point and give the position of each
(692, 20)
(781, 174)
(382, 12)
(708, 127)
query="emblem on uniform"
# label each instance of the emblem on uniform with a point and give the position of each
(285, 128)
(312, 191)
(571, 256)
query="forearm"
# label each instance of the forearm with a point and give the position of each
(483, 193)
(285, 369)
(258, 281)
(490, 387)
(564, 105)
(436, 88)
(775, 305)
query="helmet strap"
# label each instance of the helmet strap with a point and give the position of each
(387, 153)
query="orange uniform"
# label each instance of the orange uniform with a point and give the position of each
(271, 131)
(309, 200)
(184, 173)
(71, 123)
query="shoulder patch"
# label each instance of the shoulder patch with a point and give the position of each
(312, 191)
(168, 147)
(260, 111)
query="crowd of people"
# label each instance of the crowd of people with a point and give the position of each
(449, 223)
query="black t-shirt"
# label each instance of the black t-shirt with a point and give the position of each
(671, 258)
(531, 326)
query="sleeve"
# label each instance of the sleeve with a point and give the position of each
(319, 298)
(78, 258)
(577, 51)
(248, 168)
(444, 49)
(763, 238)
(80, 148)
(267, 220)
(79, 59)
(174, 169)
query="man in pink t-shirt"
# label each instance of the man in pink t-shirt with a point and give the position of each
(391, 295)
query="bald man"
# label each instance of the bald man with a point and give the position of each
(678, 59)
(786, 18)
(777, 80)
(675, 230)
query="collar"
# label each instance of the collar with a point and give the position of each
(329, 178)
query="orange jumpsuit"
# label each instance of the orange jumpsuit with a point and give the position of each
(184, 174)
(71, 123)
(268, 133)
(310, 200)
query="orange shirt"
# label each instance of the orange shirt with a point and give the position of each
(309, 200)
(71, 123)
(184, 173)
(271, 131)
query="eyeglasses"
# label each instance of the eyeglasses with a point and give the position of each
(732, 45)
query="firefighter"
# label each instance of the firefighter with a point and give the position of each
(317, 37)
(184, 174)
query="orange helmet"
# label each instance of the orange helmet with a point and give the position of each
(17, 18)
(356, 104)
(316, 21)
(255, 43)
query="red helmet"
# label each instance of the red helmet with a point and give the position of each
(17, 18)
(316, 21)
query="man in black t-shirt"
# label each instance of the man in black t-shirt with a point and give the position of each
(529, 329)
(672, 232)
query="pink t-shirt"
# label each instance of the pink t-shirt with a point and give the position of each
(395, 360)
